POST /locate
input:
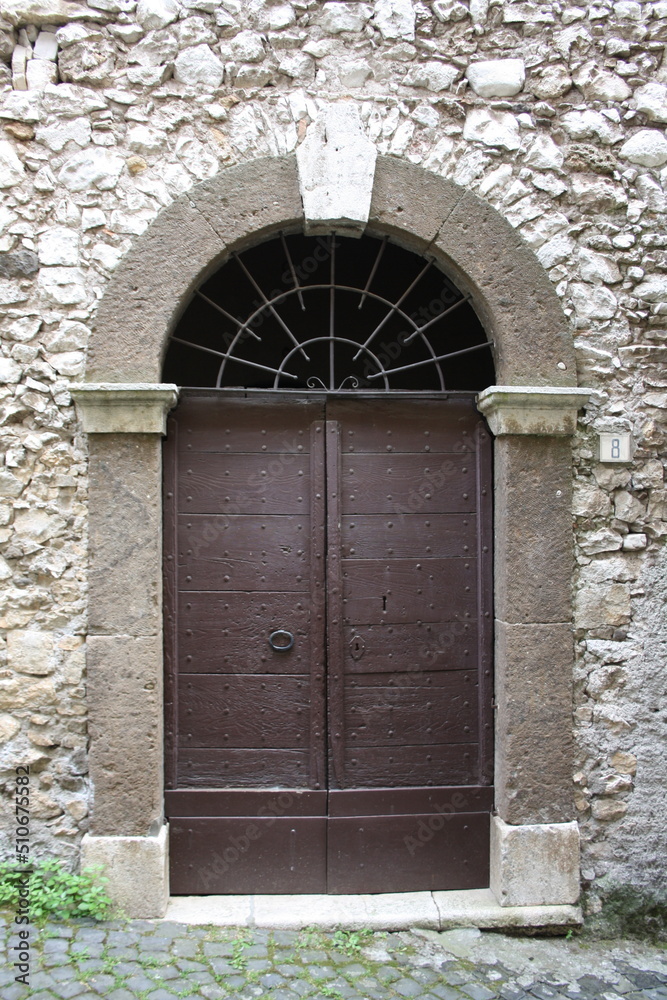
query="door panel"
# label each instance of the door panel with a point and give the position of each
(362, 527)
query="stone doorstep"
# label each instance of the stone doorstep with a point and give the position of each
(382, 911)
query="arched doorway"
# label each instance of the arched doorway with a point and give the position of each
(532, 413)
(328, 485)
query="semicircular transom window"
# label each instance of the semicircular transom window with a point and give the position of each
(331, 313)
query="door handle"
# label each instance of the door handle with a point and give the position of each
(281, 640)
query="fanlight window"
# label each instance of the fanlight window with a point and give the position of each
(330, 313)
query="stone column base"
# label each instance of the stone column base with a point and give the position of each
(137, 870)
(534, 865)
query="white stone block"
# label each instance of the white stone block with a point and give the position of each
(493, 128)
(10, 371)
(653, 289)
(96, 167)
(59, 245)
(651, 100)
(648, 147)
(40, 73)
(337, 17)
(497, 77)
(20, 57)
(137, 870)
(432, 75)
(46, 46)
(30, 652)
(280, 17)
(544, 154)
(336, 164)
(536, 864)
(450, 10)
(354, 74)
(152, 14)
(144, 139)
(11, 169)
(247, 47)
(395, 19)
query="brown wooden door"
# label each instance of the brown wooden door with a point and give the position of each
(356, 532)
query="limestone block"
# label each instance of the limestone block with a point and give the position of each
(10, 371)
(395, 19)
(20, 57)
(544, 154)
(125, 575)
(590, 191)
(59, 245)
(450, 10)
(63, 286)
(648, 147)
(39, 73)
(651, 100)
(499, 129)
(652, 289)
(91, 168)
(124, 690)
(336, 163)
(247, 47)
(432, 75)
(38, 12)
(9, 727)
(591, 125)
(30, 652)
(282, 16)
(608, 604)
(199, 67)
(553, 82)
(12, 170)
(534, 865)
(337, 17)
(137, 869)
(534, 729)
(152, 14)
(592, 303)
(46, 46)
(600, 85)
(497, 77)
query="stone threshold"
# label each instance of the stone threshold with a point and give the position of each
(382, 911)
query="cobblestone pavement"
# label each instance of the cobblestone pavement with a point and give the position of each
(158, 960)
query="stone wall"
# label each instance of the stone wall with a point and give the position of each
(554, 112)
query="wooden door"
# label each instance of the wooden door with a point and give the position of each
(328, 682)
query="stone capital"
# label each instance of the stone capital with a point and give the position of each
(124, 407)
(545, 411)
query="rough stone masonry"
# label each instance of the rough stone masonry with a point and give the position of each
(554, 112)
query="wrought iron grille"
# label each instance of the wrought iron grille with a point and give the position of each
(330, 313)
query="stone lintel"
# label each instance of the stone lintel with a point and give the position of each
(124, 407)
(534, 865)
(336, 164)
(540, 410)
(136, 868)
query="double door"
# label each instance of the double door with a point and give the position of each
(328, 643)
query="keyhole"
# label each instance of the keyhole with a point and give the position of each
(384, 603)
(357, 647)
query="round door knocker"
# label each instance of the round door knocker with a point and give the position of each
(285, 640)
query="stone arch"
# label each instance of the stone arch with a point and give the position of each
(532, 413)
(470, 240)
